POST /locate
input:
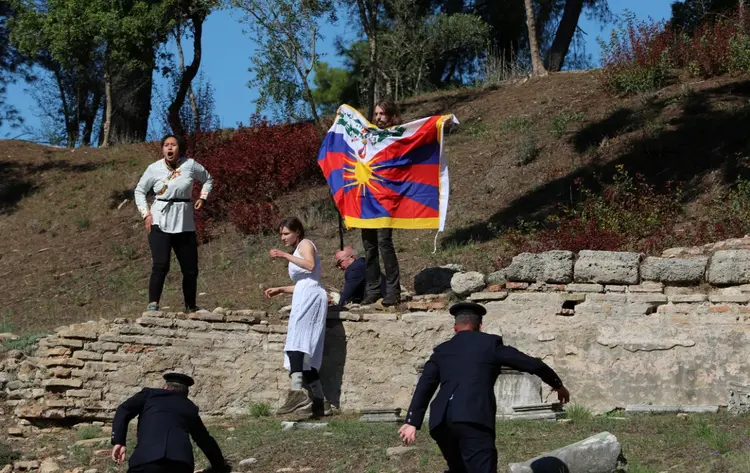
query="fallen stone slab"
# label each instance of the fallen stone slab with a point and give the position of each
(394, 452)
(248, 461)
(668, 408)
(289, 425)
(464, 284)
(551, 266)
(488, 296)
(601, 453)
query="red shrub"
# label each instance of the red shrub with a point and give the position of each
(251, 167)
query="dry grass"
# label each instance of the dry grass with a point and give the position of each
(651, 444)
(69, 254)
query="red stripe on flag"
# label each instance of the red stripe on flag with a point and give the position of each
(332, 162)
(400, 206)
(426, 134)
(422, 173)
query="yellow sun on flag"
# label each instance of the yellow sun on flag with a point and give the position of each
(361, 173)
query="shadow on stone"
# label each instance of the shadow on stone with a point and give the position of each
(549, 465)
(334, 360)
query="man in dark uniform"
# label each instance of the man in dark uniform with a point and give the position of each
(166, 421)
(462, 416)
(355, 276)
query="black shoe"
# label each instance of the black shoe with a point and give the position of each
(369, 300)
(391, 300)
(192, 310)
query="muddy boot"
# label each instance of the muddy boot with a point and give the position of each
(295, 400)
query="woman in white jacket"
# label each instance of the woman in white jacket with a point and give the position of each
(170, 222)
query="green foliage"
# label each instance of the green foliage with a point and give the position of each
(577, 413)
(88, 432)
(560, 123)
(739, 54)
(527, 149)
(260, 409)
(717, 440)
(26, 344)
(333, 87)
(287, 33)
(515, 123)
(7, 454)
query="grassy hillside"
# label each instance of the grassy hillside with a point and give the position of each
(70, 252)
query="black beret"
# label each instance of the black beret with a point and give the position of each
(467, 307)
(179, 378)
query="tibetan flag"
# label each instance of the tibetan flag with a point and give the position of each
(395, 177)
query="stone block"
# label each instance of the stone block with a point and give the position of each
(155, 322)
(87, 355)
(232, 327)
(551, 266)
(646, 287)
(516, 286)
(56, 383)
(729, 267)
(662, 409)
(688, 298)
(80, 331)
(60, 372)
(648, 298)
(594, 297)
(463, 284)
(206, 316)
(426, 305)
(607, 267)
(434, 280)
(84, 393)
(243, 319)
(729, 298)
(584, 287)
(674, 270)
(488, 296)
(62, 361)
(100, 366)
(102, 347)
(60, 403)
(574, 297)
(53, 352)
(119, 358)
(417, 317)
(370, 317)
(192, 325)
(496, 278)
(738, 396)
(66, 342)
(615, 288)
(601, 453)
(348, 316)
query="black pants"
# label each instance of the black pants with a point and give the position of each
(162, 466)
(297, 362)
(380, 243)
(466, 447)
(185, 246)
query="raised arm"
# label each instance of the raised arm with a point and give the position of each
(510, 357)
(306, 249)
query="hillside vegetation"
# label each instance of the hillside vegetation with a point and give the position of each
(558, 162)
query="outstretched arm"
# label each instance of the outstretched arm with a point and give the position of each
(428, 383)
(509, 356)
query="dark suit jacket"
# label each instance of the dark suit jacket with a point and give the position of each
(166, 421)
(355, 282)
(466, 368)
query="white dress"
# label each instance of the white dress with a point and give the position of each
(307, 321)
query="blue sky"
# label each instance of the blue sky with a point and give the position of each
(226, 53)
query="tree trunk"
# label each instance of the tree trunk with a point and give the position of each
(88, 126)
(71, 129)
(187, 76)
(131, 100)
(537, 65)
(564, 35)
(107, 119)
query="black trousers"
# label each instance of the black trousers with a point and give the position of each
(466, 447)
(297, 362)
(162, 466)
(185, 246)
(379, 242)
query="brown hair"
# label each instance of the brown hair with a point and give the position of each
(390, 108)
(293, 224)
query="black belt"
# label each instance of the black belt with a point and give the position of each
(174, 200)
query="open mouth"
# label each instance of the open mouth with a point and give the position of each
(170, 153)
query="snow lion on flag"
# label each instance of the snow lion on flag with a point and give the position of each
(395, 177)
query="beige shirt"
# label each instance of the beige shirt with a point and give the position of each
(168, 184)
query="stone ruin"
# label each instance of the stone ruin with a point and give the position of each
(623, 331)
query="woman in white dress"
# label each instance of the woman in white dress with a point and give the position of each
(303, 352)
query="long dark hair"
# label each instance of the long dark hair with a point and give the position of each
(293, 224)
(390, 108)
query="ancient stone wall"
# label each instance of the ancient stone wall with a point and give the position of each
(620, 329)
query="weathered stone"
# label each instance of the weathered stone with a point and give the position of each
(244, 319)
(155, 322)
(488, 296)
(93, 442)
(49, 466)
(516, 286)
(584, 287)
(370, 317)
(498, 277)
(646, 287)
(396, 452)
(597, 297)
(207, 316)
(688, 298)
(433, 280)
(248, 461)
(62, 361)
(738, 396)
(600, 453)
(87, 355)
(26, 465)
(674, 270)
(102, 347)
(463, 284)
(350, 316)
(425, 317)
(572, 297)
(80, 331)
(551, 266)
(648, 408)
(545, 337)
(67, 342)
(649, 298)
(100, 366)
(56, 383)
(729, 298)
(53, 352)
(234, 327)
(84, 393)
(250, 313)
(729, 267)
(60, 372)
(15, 431)
(615, 288)
(607, 267)
(426, 305)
